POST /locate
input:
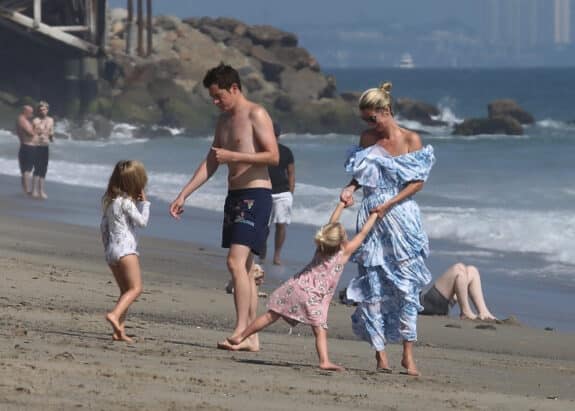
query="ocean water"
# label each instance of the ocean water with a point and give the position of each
(506, 203)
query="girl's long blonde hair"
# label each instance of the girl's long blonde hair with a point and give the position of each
(329, 238)
(128, 179)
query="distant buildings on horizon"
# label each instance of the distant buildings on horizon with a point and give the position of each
(524, 24)
(562, 22)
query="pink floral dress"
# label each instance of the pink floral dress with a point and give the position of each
(305, 298)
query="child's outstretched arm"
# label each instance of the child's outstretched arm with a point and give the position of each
(356, 241)
(337, 212)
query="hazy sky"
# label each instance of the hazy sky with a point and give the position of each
(323, 12)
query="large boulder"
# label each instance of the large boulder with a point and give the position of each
(136, 105)
(351, 97)
(508, 107)
(271, 66)
(269, 36)
(296, 57)
(303, 85)
(320, 117)
(419, 111)
(498, 125)
(241, 43)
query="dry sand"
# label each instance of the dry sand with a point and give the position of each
(56, 351)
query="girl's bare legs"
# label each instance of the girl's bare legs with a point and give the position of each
(407, 360)
(321, 348)
(123, 287)
(128, 277)
(476, 294)
(263, 321)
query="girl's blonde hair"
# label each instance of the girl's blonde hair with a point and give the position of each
(377, 98)
(329, 238)
(128, 179)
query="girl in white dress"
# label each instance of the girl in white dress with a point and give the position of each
(125, 207)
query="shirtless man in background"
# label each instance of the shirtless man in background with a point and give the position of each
(27, 151)
(244, 140)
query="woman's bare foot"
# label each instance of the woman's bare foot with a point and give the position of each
(410, 367)
(382, 362)
(329, 366)
(277, 261)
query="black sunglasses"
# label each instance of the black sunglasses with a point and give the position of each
(371, 119)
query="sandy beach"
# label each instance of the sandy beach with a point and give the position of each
(56, 351)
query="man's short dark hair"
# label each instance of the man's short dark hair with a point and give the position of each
(224, 76)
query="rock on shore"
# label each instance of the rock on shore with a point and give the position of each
(505, 117)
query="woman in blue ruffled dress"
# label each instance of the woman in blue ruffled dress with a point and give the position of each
(390, 165)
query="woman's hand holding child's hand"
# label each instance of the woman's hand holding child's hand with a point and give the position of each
(381, 209)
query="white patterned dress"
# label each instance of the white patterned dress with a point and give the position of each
(118, 227)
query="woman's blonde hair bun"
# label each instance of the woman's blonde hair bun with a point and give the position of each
(385, 86)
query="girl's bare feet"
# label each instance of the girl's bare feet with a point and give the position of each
(114, 321)
(122, 337)
(329, 366)
(468, 316)
(487, 317)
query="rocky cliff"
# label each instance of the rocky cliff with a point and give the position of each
(166, 87)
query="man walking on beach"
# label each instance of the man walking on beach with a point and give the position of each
(27, 151)
(283, 186)
(244, 140)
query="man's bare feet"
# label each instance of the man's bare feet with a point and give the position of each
(410, 368)
(329, 366)
(277, 261)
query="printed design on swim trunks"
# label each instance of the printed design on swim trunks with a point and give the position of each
(240, 215)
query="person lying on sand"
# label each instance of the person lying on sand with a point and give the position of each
(459, 284)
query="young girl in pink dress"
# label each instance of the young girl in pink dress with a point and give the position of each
(305, 298)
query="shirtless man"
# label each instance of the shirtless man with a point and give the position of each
(44, 129)
(244, 140)
(27, 152)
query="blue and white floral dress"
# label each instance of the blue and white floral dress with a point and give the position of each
(391, 268)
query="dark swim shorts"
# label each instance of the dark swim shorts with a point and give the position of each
(26, 157)
(434, 303)
(41, 161)
(246, 216)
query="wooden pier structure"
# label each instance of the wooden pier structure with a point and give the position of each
(62, 45)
